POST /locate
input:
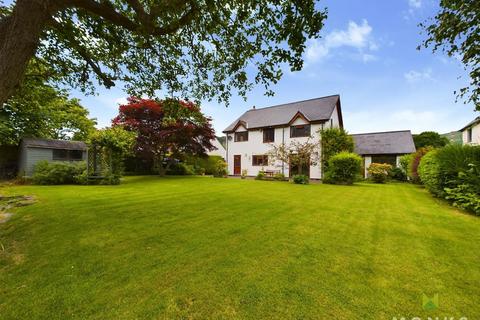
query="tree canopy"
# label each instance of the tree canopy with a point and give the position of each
(42, 111)
(333, 141)
(429, 139)
(166, 129)
(455, 30)
(198, 48)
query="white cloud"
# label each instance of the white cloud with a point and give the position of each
(413, 76)
(356, 36)
(416, 8)
(316, 50)
(415, 4)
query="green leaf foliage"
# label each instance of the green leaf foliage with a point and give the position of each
(116, 139)
(429, 173)
(58, 172)
(453, 172)
(429, 139)
(42, 111)
(379, 172)
(455, 30)
(300, 179)
(220, 169)
(111, 146)
(398, 174)
(412, 170)
(333, 141)
(343, 168)
(199, 49)
(405, 161)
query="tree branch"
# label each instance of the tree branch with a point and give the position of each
(107, 11)
(175, 26)
(75, 45)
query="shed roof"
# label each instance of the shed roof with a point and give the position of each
(54, 144)
(391, 142)
(318, 109)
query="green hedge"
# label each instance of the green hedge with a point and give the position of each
(453, 173)
(206, 165)
(429, 173)
(343, 168)
(51, 173)
(181, 169)
(300, 179)
(415, 159)
(405, 161)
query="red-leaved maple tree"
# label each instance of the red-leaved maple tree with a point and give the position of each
(166, 129)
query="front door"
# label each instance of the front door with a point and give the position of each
(237, 164)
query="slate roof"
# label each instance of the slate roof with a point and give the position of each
(54, 144)
(318, 109)
(392, 142)
(471, 123)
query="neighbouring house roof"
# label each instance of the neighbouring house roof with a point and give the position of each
(54, 144)
(314, 110)
(471, 123)
(392, 142)
(219, 151)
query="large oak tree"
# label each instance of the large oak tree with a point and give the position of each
(198, 48)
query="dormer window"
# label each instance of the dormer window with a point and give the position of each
(241, 136)
(268, 135)
(300, 131)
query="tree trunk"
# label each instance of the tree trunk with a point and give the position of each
(158, 165)
(19, 38)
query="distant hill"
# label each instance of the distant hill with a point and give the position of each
(454, 136)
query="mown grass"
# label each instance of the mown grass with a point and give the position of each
(179, 248)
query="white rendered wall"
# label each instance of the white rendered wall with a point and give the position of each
(475, 135)
(367, 163)
(255, 146)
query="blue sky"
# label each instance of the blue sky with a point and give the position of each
(368, 55)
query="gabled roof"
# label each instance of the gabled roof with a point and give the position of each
(471, 123)
(392, 142)
(54, 144)
(220, 149)
(315, 110)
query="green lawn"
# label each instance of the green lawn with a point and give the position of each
(180, 248)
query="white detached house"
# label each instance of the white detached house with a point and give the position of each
(250, 137)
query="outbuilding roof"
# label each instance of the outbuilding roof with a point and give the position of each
(391, 142)
(54, 144)
(314, 110)
(471, 123)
